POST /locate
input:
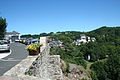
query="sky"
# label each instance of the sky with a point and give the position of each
(38, 16)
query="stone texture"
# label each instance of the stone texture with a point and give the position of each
(26, 77)
(8, 78)
(54, 70)
(47, 66)
(40, 67)
(77, 72)
(43, 42)
(21, 67)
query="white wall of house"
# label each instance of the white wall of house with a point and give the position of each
(84, 39)
(93, 39)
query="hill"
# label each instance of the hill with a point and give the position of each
(104, 52)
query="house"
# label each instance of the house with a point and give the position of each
(88, 39)
(93, 39)
(12, 36)
(83, 39)
(83, 36)
(76, 42)
(55, 43)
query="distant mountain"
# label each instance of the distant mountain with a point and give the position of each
(103, 32)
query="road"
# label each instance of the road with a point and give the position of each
(18, 53)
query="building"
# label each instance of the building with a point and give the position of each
(88, 39)
(84, 39)
(76, 42)
(55, 43)
(93, 39)
(12, 36)
(83, 36)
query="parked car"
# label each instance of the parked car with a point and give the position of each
(28, 41)
(4, 45)
(35, 41)
(17, 40)
(23, 41)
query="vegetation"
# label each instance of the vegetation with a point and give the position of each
(104, 52)
(109, 69)
(109, 39)
(70, 53)
(3, 26)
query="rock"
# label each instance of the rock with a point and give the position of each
(77, 72)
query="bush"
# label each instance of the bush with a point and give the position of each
(93, 76)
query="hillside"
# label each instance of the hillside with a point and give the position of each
(103, 31)
(104, 63)
(104, 52)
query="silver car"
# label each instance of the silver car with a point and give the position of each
(4, 45)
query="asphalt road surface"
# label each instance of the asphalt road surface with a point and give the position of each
(18, 53)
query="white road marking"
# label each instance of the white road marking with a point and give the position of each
(5, 54)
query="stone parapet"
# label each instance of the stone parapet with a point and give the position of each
(54, 70)
(22, 66)
(18, 71)
(41, 67)
(46, 66)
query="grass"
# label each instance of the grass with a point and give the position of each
(88, 65)
(88, 68)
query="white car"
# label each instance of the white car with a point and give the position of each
(4, 45)
(17, 40)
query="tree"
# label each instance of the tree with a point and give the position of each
(65, 39)
(113, 64)
(93, 75)
(98, 67)
(3, 26)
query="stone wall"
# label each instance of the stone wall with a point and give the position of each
(46, 66)
(54, 70)
(40, 67)
(18, 71)
(43, 42)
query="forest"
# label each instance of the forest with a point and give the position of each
(104, 52)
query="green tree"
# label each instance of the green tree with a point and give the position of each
(113, 64)
(98, 67)
(93, 75)
(65, 39)
(3, 26)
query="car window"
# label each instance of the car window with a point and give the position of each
(3, 42)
